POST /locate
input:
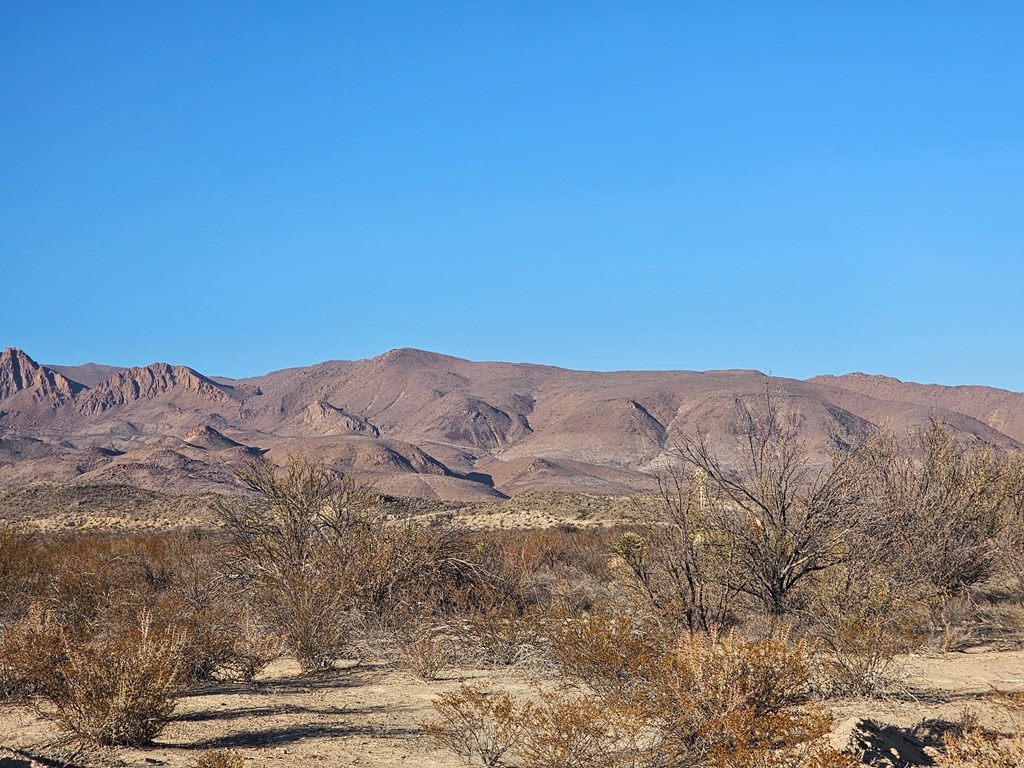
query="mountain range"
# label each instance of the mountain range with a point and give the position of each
(427, 425)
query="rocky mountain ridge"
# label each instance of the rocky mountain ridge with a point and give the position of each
(417, 423)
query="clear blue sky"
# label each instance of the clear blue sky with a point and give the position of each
(801, 187)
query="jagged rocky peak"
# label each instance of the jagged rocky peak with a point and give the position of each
(134, 384)
(20, 373)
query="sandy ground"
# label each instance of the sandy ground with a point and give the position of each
(369, 715)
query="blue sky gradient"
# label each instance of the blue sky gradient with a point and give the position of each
(796, 187)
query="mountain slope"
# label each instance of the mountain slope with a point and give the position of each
(432, 425)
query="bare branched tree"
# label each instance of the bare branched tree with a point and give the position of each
(292, 557)
(778, 516)
(678, 567)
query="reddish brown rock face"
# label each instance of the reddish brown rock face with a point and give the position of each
(20, 373)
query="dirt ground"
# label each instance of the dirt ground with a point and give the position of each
(369, 715)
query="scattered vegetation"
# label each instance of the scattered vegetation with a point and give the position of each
(755, 586)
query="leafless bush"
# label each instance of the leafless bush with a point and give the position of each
(117, 685)
(427, 649)
(681, 568)
(477, 724)
(292, 558)
(861, 621)
(1011, 524)
(934, 508)
(328, 558)
(502, 636)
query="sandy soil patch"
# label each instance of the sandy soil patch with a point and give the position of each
(369, 715)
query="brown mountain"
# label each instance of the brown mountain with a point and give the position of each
(998, 408)
(423, 424)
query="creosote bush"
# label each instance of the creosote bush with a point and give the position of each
(932, 509)
(116, 686)
(478, 725)
(861, 619)
(651, 699)
(291, 558)
(327, 559)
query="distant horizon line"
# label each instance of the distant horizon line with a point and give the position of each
(768, 374)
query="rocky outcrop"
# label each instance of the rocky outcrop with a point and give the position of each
(20, 373)
(134, 384)
(471, 421)
(322, 418)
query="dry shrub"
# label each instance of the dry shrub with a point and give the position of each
(972, 746)
(478, 725)
(979, 748)
(933, 508)
(703, 701)
(219, 758)
(569, 729)
(769, 512)
(861, 622)
(427, 650)
(683, 570)
(116, 686)
(567, 564)
(291, 558)
(1011, 539)
(253, 647)
(953, 621)
(400, 572)
(724, 701)
(29, 651)
(21, 571)
(503, 636)
(712, 699)
(225, 640)
(328, 557)
(613, 655)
